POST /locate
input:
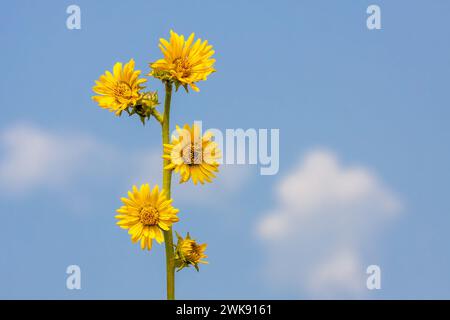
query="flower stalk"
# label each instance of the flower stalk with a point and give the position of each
(167, 180)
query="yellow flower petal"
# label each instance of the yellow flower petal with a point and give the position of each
(146, 212)
(120, 89)
(185, 61)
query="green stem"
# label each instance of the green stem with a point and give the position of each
(167, 178)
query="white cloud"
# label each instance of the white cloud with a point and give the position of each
(326, 218)
(32, 157)
(338, 271)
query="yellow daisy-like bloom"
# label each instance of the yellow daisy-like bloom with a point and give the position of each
(184, 61)
(189, 252)
(145, 214)
(192, 155)
(120, 89)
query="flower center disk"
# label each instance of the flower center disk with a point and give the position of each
(122, 91)
(149, 216)
(192, 154)
(182, 67)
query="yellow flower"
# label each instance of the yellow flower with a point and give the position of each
(184, 62)
(120, 89)
(192, 155)
(146, 213)
(189, 252)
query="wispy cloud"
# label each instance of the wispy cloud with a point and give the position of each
(326, 214)
(32, 157)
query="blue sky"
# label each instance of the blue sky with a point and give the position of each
(368, 109)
